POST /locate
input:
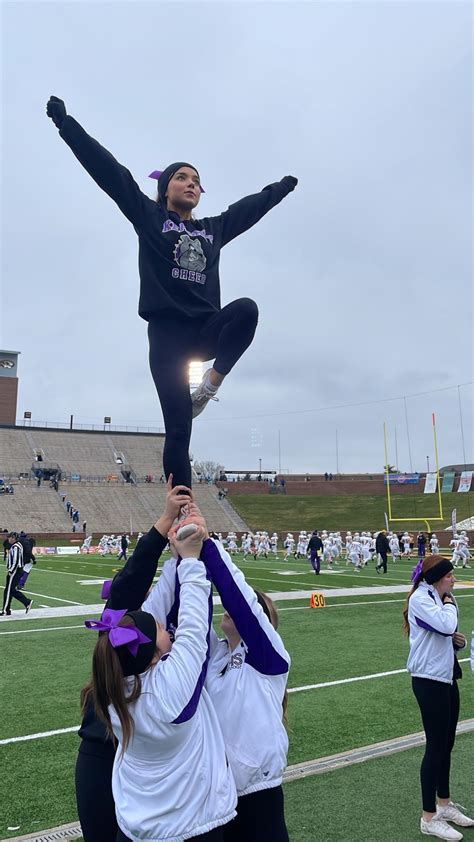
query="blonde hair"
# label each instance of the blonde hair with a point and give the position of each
(273, 616)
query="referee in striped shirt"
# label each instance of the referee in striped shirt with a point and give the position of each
(14, 572)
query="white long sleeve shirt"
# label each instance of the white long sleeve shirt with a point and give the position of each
(247, 685)
(173, 781)
(432, 626)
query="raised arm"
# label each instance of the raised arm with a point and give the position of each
(180, 675)
(426, 613)
(266, 652)
(131, 585)
(245, 213)
(111, 176)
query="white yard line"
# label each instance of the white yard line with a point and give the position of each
(49, 628)
(66, 573)
(44, 734)
(292, 773)
(352, 680)
(47, 596)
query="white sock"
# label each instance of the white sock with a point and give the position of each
(209, 387)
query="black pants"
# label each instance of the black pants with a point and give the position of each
(173, 344)
(11, 591)
(439, 706)
(213, 836)
(383, 562)
(95, 802)
(260, 818)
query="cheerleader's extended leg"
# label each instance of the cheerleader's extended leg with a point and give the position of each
(170, 354)
(225, 336)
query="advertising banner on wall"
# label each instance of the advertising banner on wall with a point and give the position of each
(448, 482)
(465, 481)
(402, 479)
(430, 483)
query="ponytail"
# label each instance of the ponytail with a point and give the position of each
(107, 687)
(271, 611)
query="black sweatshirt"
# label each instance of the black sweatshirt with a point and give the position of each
(129, 589)
(178, 259)
(315, 543)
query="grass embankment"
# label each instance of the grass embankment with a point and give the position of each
(355, 512)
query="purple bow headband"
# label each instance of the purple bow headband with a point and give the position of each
(417, 572)
(156, 174)
(128, 636)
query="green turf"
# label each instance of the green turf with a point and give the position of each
(56, 581)
(358, 511)
(375, 801)
(355, 635)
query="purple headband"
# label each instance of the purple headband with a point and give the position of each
(417, 572)
(156, 174)
(128, 636)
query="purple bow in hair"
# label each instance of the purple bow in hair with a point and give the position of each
(417, 572)
(128, 636)
(156, 174)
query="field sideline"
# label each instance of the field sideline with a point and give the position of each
(348, 688)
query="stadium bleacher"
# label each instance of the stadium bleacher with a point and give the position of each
(104, 499)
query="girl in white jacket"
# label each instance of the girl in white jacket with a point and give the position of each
(171, 780)
(431, 619)
(246, 680)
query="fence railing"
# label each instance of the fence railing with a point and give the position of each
(101, 428)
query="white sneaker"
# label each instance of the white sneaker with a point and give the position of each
(202, 395)
(453, 813)
(439, 828)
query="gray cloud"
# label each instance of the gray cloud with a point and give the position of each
(363, 276)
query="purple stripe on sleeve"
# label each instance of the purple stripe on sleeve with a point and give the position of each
(424, 625)
(261, 654)
(190, 709)
(172, 616)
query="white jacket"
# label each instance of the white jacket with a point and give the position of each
(173, 781)
(432, 626)
(247, 685)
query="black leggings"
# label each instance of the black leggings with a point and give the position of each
(95, 802)
(439, 706)
(260, 818)
(213, 836)
(173, 344)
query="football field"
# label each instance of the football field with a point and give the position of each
(348, 691)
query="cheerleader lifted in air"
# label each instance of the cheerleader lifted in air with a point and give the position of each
(179, 279)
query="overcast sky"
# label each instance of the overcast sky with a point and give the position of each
(363, 275)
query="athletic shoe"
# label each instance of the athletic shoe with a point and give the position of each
(452, 813)
(28, 606)
(202, 395)
(5, 613)
(439, 828)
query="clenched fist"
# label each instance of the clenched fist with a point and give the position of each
(289, 181)
(56, 109)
